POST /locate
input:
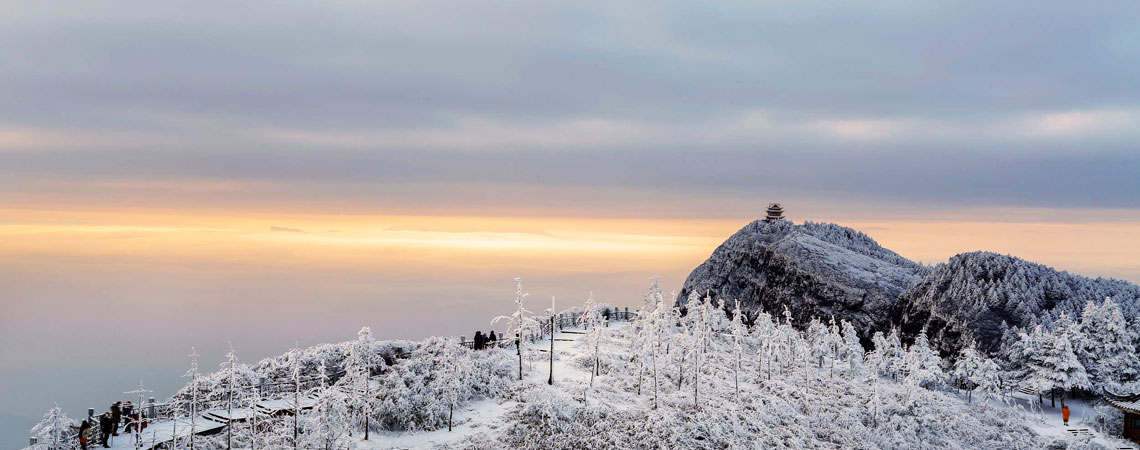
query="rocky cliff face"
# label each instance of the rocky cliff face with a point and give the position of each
(815, 270)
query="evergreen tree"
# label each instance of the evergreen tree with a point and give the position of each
(886, 358)
(986, 379)
(54, 428)
(923, 366)
(965, 370)
(647, 329)
(818, 340)
(739, 333)
(832, 345)
(1107, 345)
(852, 348)
(765, 331)
(1054, 365)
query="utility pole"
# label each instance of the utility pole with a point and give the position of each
(550, 380)
(230, 409)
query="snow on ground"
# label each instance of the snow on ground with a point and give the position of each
(1046, 421)
(802, 406)
(481, 417)
(160, 431)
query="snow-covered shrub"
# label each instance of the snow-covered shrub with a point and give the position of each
(412, 395)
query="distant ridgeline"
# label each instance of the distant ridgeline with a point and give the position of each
(826, 270)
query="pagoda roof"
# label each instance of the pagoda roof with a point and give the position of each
(1127, 402)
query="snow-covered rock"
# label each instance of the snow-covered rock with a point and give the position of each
(814, 269)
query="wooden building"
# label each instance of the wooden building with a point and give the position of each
(1130, 405)
(775, 212)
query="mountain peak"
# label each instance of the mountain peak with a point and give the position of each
(828, 270)
(813, 269)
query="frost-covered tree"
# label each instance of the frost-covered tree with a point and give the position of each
(1054, 365)
(592, 320)
(357, 376)
(739, 333)
(295, 375)
(818, 341)
(765, 331)
(986, 379)
(192, 409)
(677, 340)
(965, 368)
(1107, 347)
(651, 340)
(923, 366)
(696, 324)
(654, 295)
(54, 428)
(518, 322)
(330, 418)
(230, 366)
(787, 341)
(1019, 350)
(647, 327)
(832, 345)
(770, 346)
(887, 356)
(852, 348)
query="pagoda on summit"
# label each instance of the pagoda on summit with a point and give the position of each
(775, 212)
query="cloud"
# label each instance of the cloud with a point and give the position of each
(287, 229)
(862, 129)
(27, 138)
(416, 105)
(1089, 123)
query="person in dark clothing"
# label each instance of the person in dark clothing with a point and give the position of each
(128, 408)
(84, 433)
(492, 339)
(105, 425)
(116, 417)
(479, 342)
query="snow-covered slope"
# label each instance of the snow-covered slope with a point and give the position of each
(971, 296)
(703, 381)
(814, 269)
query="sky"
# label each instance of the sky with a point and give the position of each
(272, 174)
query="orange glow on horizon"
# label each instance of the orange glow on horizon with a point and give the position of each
(409, 243)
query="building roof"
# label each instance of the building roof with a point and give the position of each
(1127, 402)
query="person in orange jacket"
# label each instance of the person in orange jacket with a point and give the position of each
(1065, 414)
